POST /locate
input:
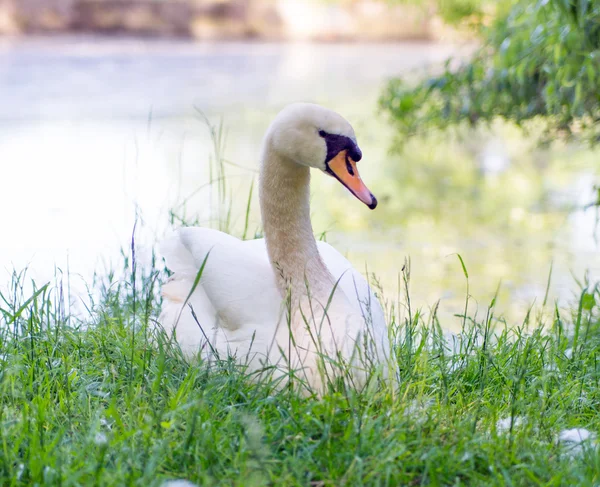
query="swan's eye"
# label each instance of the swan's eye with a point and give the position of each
(322, 133)
(349, 167)
(355, 152)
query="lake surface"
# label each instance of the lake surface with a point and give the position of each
(94, 132)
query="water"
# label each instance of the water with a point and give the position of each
(94, 132)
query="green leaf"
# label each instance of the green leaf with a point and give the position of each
(588, 301)
(24, 306)
(464, 267)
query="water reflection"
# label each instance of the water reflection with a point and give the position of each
(93, 133)
(510, 219)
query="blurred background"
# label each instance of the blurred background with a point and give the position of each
(117, 111)
(225, 19)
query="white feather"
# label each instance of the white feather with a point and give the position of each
(237, 302)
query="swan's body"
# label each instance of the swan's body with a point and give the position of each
(275, 301)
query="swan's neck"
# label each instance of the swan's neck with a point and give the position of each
(285, 207)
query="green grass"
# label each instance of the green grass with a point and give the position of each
(106, 399)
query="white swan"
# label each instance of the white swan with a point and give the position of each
(272, 301)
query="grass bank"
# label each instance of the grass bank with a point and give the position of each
(106, 399)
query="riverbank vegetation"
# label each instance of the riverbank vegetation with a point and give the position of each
(104, 398)
(322, 20)
(538, 65)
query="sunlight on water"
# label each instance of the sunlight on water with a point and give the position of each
(93, 133)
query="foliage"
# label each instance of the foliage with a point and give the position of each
(451, 11)
(538, 60)
(108, 400)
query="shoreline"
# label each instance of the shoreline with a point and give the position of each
(131, 42)
(243, 20)
(125, 38)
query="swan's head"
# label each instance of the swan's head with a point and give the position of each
(313, 136)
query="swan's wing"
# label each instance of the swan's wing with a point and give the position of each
(191, 332)
(237, 278)
(354, 285)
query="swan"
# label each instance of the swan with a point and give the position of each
(285, 301)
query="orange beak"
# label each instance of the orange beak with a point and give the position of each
(343, 168)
